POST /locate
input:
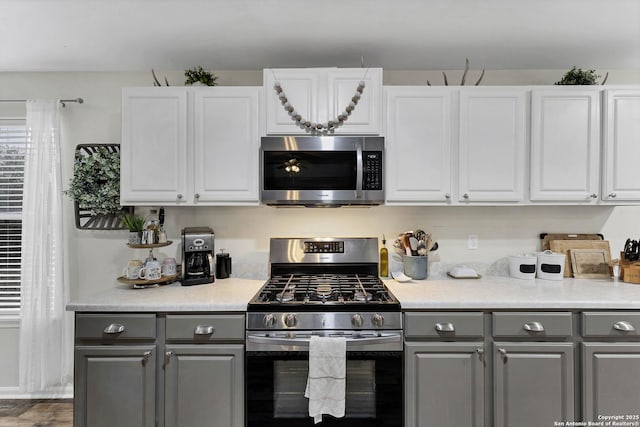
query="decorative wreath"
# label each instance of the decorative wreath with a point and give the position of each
(95, 185)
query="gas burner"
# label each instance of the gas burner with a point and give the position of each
(362, 296)
(324, 290)
(285, 296)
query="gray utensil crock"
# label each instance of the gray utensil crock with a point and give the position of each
(416, 266)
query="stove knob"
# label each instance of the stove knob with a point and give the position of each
(377, 320)
(356, 321)
(269, 320)
(290, 320)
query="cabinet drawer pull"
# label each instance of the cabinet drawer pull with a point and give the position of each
(145, 357)
(445, 327)
(624, 326)
(503, 353)
(114, 328)
(533, 327)
(204, 330)
(593, 195)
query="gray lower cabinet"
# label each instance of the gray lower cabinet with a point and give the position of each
(115, 386)
(159, 370)
(204, 385)
(533, 383)
(611, 379)
(444, 369)
(611, 365)
(444, 384)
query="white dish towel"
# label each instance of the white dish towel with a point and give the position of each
(326, 382)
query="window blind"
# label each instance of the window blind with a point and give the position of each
(12, 151)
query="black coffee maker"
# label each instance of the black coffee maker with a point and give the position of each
(197, 255)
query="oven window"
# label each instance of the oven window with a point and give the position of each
(309, 170)
(290, 381)
(276, 381)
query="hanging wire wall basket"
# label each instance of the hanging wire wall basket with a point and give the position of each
(86, 217)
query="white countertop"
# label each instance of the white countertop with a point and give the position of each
(222, 295)
(508, 293)
(432, 294)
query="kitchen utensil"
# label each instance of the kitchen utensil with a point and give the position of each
(406, 244)
(413, 242)
(434, 247)
(550, 265)
(420, 234)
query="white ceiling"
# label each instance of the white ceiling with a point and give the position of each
(120, 35)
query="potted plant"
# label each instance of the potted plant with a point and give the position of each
(135, 223)
(198, 75)
(578, 76)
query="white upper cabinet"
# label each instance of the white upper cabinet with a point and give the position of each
(320, 94)
(226, 145)
(621, 145)
(154, 146)
(565, 145)
(190, 145)
(492, 149)
(417, 144)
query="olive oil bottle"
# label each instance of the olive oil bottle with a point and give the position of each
(384, 259)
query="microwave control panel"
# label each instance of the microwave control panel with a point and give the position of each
(372, 170)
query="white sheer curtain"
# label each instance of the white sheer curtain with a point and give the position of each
(46, 345)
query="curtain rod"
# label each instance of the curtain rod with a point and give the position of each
(62, 101)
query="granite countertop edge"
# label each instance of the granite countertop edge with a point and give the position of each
(487, 293)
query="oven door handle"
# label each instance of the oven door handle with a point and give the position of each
(387, 339)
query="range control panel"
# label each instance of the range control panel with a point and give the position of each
(323, 247)
(372, 170)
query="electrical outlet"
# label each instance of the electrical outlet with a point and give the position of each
(472, 241)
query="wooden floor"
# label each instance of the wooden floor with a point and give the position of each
(36, 413)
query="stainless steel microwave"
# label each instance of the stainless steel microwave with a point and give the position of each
(322, 170)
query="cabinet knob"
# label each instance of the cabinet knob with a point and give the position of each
(114, 328)
(204, 330)
(167, 357)
(624, 326)
(179, 196)
(465, 196)
(197, 196)
(447, 196)
(533, 327)
(593, 195)
(445, 327)
(612, 195)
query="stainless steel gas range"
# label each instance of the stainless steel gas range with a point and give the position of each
(325, 287)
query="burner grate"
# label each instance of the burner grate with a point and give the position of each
(324, 289)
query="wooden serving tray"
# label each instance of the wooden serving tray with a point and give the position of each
(153, 245)
(141, 283)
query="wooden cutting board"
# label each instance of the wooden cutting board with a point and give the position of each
(565, 246)
(547, 237)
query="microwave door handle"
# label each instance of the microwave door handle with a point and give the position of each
(359, 171)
